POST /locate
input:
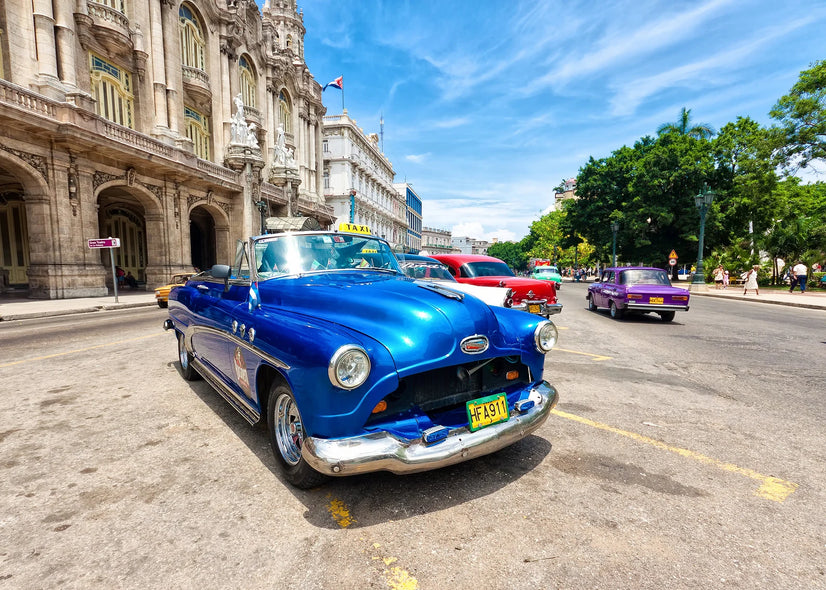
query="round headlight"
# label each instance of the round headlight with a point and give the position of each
(545, 336)
(349, 367)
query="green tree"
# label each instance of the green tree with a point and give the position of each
(511, 253)
(684, 126)
(801, 137)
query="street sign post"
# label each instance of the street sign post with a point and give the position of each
(108, 243)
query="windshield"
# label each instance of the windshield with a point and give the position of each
(321, 252)
(486, 268)
(644, 277)
(546, 270)
(419, 269)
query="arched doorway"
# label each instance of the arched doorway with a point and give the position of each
(122, 216)
(14, 237)
(202, 238)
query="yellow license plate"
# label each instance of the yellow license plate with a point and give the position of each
(655, 300)
(534, 308)
(487, 410)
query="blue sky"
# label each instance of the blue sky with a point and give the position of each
(488, 105)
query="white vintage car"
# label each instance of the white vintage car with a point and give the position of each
(425, 268)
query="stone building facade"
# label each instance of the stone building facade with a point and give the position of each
(120, 118)
(358, 181)
(437, 241)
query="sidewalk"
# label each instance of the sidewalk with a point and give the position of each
(19, 308)
(814, 299)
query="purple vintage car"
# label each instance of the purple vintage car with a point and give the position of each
(638, 289)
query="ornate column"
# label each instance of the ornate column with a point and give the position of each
(44, 27)
(65, 33)
(172, 65)
(156, 34)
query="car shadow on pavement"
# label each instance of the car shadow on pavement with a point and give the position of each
(380, 497)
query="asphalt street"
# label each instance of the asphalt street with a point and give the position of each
(682, 455)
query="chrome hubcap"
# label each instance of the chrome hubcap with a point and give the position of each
(182, 354)
(289, 433)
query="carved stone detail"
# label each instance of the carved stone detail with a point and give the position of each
(33, 160)
(99, 178)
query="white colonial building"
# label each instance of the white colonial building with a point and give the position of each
(437, 241)
(176, 126)
(358, 181)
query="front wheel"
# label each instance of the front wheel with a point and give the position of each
(187, 371)
(616, 312)
(287, 439)
(667, 316)
(162, 304)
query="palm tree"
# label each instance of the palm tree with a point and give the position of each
(685, 127)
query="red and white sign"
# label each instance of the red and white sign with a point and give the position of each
(104, 243)
(672, 261)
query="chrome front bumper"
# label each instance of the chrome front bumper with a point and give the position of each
(655, 307)
(382, 451)
(545, 309)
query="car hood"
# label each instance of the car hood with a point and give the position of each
(416, 321)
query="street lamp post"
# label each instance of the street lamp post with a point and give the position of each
(262, 208)
(703, 201)
(615, 229)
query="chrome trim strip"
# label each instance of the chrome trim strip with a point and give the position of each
(382, 451)
(655, 307)
(441, 290)
(241, 405)
(190, 330)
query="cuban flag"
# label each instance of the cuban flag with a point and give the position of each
(337, 83)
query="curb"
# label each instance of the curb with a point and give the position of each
(60, 312)
(752, 300)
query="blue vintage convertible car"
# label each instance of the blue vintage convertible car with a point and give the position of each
(355, 367)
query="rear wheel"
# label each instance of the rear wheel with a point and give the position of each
(162, 304)
(287, 439)
(616, 312)
(591, 305)
(187, 371)
(667, 316)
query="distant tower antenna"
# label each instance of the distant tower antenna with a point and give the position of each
(381, 131)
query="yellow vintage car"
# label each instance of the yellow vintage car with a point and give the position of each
(162, 293)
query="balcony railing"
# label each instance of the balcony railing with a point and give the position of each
(27, 100)
(107, 13)
(197, 74)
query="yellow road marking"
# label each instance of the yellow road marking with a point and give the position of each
(771, 488)
(397, 578)
(107, 345)
(596, 357)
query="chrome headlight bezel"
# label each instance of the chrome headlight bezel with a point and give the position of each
(348, 354)
(545, 336)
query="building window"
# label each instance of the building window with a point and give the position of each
(284, 112)
(289, 41)
(197, 129)
(247, 81)
(325, 146)
(119, 5)
(112, 88)
(193, 45)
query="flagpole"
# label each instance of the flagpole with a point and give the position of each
(342, 98)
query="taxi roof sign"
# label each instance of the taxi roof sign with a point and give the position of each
(673, 254)
(354, 228)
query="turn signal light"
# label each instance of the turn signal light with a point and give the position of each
(680, 298)
(380, 407)
(511, 375)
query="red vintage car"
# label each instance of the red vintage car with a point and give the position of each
(529, 295)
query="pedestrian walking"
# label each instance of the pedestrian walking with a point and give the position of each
(751, 280)
(799, 274)
(718, 277)
(725, 279)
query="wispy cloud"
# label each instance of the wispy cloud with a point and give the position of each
(417, 158)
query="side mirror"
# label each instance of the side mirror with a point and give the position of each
(221, 271)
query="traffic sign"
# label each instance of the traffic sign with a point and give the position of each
(104, 243)
(673, 254)
(672, 261)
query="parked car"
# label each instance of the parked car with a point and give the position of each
(353, 366)
(547, 273)
(162, 293)
(531, 295)
(424, 268)
(637, 289)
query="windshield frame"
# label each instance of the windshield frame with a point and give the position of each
(319, 252)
